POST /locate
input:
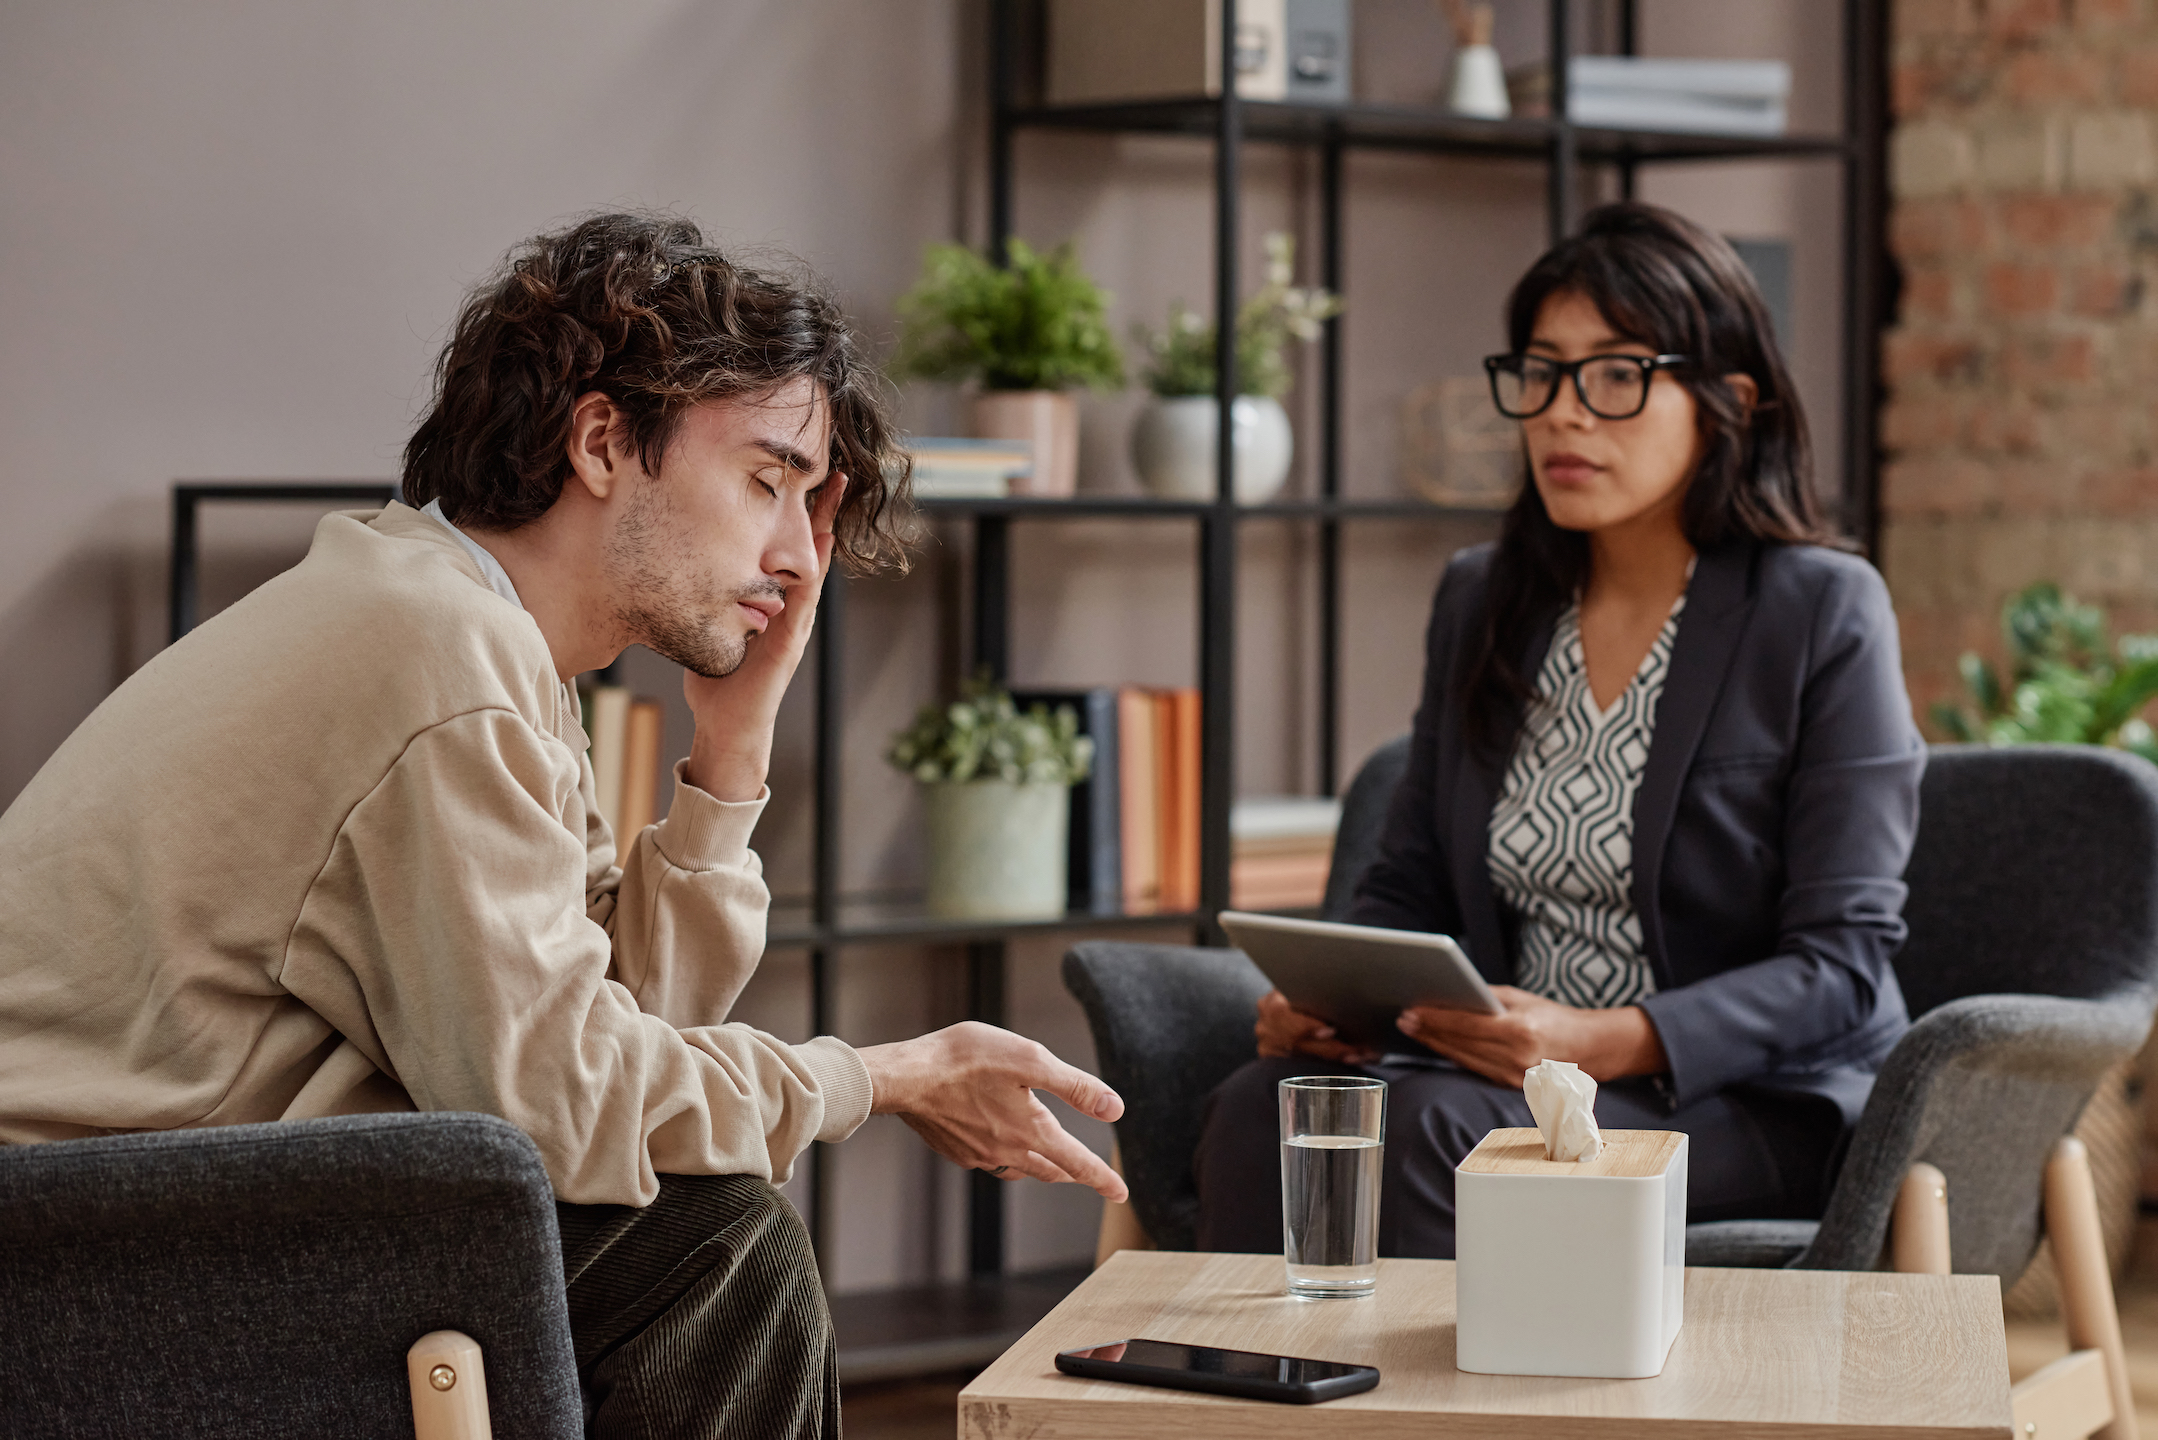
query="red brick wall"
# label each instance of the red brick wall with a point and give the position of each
(2023, 366)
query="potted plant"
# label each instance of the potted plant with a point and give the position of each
(2065, 683)
(997, 785)
(1028, 331)
(1173, 443)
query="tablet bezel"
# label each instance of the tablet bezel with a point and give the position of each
(1358, 978)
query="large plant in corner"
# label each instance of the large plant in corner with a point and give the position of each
(2065, 684)
(1028, 331)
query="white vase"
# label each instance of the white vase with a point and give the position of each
(1048, 420)
(1173, 447)
(996, 849)
(1479, 87)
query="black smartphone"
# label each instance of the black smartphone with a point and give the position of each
(1243, 1373)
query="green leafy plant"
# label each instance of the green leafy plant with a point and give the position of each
(1037, 323)
(1180, 359)
(984, 735)
(2065, 683)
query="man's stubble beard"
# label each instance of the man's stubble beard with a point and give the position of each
(661, 605)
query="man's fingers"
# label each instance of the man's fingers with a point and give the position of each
(1079, 1163)
(1076, 1088)
(829, 495)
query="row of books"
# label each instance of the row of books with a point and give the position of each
(955, 469)
(1135, 820)
(627, 735)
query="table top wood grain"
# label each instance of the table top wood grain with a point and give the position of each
(1764, 1355)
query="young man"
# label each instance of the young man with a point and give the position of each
(336, 850)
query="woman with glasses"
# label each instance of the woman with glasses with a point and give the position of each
(1663, 779)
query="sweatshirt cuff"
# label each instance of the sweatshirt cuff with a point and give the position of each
(703, 832)
(843, 1080)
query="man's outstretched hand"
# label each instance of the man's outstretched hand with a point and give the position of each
(968, 1090)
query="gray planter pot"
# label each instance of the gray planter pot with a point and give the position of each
(996, 850)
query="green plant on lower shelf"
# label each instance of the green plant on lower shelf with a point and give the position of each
(2066, 684)
(984, 735)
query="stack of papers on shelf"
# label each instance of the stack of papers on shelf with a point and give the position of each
(968, 469)
(1697, 97)
(1281, 847)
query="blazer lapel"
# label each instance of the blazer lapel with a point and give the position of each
(1718, 601)
(1468, 832)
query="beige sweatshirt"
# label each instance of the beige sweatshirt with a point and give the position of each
(335, 851)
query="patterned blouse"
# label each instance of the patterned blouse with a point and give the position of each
(1562, 830)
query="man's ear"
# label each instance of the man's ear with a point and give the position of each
(594, 426)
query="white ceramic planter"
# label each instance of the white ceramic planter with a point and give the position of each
(1173, 446)
(996, 849)
(1048, 420)
(1570, 1268)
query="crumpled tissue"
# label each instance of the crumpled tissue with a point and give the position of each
(1563, 1100)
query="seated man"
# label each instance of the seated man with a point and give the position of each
(336, 851)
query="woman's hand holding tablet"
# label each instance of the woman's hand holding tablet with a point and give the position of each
(1608, 1044)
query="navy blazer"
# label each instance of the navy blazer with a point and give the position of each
(1775, 814)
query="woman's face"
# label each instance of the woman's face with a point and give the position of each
(1594, 473)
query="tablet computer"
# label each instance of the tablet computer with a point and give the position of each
(1359, 978)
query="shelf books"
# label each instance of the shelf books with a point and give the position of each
(1096, 846)
(1280, 850)
(627, 736)
(1134, 841)
(1703, 97)
(968, 469)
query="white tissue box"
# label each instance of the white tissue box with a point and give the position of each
(1570, 1267)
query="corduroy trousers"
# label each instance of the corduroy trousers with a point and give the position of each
(700, 1316)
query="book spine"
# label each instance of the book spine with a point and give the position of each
(640, 774)
(1104, 890)
(610, 726)
(1135, 771)
(1181, 885)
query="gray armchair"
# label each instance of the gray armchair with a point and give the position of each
(269, 1280)
(2030, 969)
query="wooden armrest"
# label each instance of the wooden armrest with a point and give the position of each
(449, 1387)
(2065, 1401)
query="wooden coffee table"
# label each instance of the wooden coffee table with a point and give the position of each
(1764, 1355)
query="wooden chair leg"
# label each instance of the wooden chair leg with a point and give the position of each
(1918, 1231)
(2079, 1254)
(449, 1387)
(1120, 1227)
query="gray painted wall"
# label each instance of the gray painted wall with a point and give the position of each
(235, 231)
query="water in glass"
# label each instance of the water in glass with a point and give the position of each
(1330, 1214)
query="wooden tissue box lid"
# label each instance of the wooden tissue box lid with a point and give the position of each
(1627, 1155)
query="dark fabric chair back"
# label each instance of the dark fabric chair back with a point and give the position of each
(1363, 820)
(266, 1280)
(2035, 873)
(2032, 966)
(1170, 1023)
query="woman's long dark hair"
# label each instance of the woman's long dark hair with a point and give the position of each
(1664, 282)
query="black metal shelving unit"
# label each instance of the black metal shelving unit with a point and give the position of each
(971, 1322)
(1229, 122)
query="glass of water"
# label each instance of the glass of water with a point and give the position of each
(1333, 1130)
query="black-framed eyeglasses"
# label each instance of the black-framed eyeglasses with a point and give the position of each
(1614, 387)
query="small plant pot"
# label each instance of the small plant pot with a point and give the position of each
(1048, 420)
(996, 849)
(1173, 446)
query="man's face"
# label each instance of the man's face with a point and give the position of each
(705, 551)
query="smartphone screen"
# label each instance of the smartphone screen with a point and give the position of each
(1205, 1360)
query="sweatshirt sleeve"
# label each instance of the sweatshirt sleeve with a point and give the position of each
(449, 928)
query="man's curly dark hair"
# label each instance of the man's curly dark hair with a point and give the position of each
(638, 307)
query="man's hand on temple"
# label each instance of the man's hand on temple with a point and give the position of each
(968, 1090)
(735, 713)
